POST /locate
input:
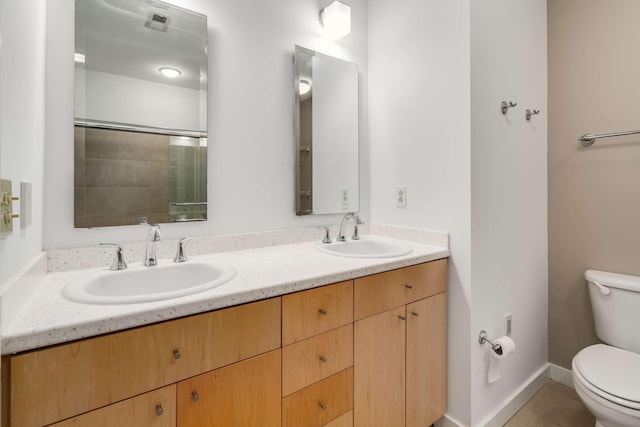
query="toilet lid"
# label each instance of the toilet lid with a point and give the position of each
(612, 370)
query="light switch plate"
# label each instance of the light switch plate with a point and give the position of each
(25, 204)
(6, 209)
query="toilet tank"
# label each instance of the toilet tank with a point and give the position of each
(615, 301)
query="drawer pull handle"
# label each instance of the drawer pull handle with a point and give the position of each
(176, 354)
(408, 286)
(323, 405)
(194, 396)
(159, 410)
(323, 311)
(402, 317)
(415, 313)
(323, 359)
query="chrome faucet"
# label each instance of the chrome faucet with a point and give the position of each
(357, 221)
(153, 237)
(118, 261)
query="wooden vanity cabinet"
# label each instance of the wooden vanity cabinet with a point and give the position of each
(366, 352)
(399, 352)
(63, 381)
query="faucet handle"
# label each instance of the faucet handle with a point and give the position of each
(180, 256)
(327, 235)
(356, 236)
(118, 262)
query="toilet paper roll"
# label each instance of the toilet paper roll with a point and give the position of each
(508, 347)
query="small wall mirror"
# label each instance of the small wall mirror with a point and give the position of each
(140, 113)
(326, 133)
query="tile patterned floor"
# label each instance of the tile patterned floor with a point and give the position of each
(555, 405)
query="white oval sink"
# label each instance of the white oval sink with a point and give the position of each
(144, 284)
(366, 247)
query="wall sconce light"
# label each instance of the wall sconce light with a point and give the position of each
(304, 87)
(336, 20)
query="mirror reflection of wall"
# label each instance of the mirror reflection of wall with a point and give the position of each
(326, 128)
(141, 84)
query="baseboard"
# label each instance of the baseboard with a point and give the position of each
(518, 399)
(448, 421)
(561, 375)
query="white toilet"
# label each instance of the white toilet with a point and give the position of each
(607, 376)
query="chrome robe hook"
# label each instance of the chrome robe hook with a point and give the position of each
(504, 106)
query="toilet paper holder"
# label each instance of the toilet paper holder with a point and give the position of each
(483, 338)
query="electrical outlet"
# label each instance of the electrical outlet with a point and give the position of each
(507, 325)
(401, 196)
(346, 193)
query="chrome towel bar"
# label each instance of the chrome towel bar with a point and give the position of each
(588, 139)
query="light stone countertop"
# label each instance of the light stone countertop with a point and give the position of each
(47, 318)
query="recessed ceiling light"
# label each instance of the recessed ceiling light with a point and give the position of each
(78, 57)
(170, 72)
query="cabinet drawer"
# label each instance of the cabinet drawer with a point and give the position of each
(153, 409)
(384, 291)
(316, 358)
(321, 403)
(75, 378)
(309, 313)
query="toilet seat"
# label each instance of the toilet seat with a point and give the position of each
(611, 373)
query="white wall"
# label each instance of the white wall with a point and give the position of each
(508, 192)
(419, 91)
(122, 99)
(251, 147)
(22, 31)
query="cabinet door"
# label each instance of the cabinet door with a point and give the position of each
(426, 359)
(379, 370)
(153, 409)
(244, 394)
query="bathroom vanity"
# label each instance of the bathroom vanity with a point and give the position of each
(368, 351)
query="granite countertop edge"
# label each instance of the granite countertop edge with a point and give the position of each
(49, 319)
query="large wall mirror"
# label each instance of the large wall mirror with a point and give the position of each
(140, 113)
(326, 129)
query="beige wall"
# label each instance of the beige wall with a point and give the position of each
(594, 193)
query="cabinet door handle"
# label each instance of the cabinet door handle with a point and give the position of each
(323, 359)
(195, 396)
(322, 311)
(415, 313)
(159, 410)
(408, 286)
(176, 354)
(323, 405)
(402, 317)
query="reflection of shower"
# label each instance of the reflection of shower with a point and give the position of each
(187, 178)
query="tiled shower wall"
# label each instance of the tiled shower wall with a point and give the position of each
(119, 177)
